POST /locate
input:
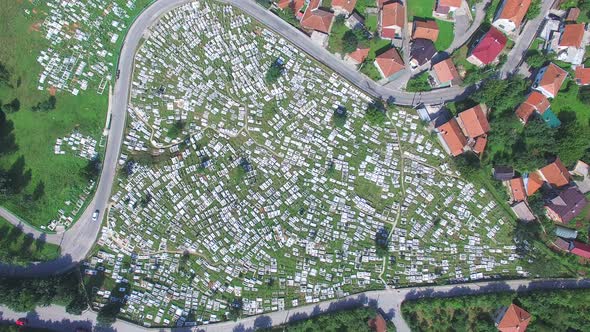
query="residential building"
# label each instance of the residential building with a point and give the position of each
(517, 191)
(532, 182)
(570, 44)
(572, 14)
(427, 29)
(391, 20)
(511, 15)
(452, 138)
(566, 206)
(555, 174)
(581, 249)
(355, 21)
(474, 121)
(421, 51)
(358, 56)
(503, 173)
(582, 75)
(378, 323)
(512, 319)
(581, 176)
(566, 233)
(523, 211)
(549, 80)
(445, 8)
(488, 48)
(389, 63)
(294, 5)
(445, 73)
(317, 19)
(344, 7)
(537, 103)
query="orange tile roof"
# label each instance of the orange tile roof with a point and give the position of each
(453, 136)
(514, 10)
(393, 15)
(556, 174)
(515, 319)
(347, 5)
(572, 14)
(517, 189)
(524, 112)
(474, 122)
(449, 3)
(425, 30)
(390, 62)
(445, 71)
(480, 144)
(572, 35)
(534, 183)
(535, 102)
(359, 55)
(316, 18)
(295, 5)
(552, 79)
(582, 75)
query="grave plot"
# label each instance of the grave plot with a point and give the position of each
(241, 196)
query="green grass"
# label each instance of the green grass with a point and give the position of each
(18, 248)
(36, 132)
(362, 5)
(446, 35)
(567, 101)
(368, 67)
(335, 40)
(371, 22)
(420, 8)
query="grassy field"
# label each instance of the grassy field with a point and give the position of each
(423, 9)
(17, 248)
(567, 101)
(420, 8)
(36, 132)
(445, 35)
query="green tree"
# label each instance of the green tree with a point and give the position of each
(349, 42)
(573, 140)
(382, 242)
(534, 9)
(584, 95)
(339, 117)
(502, 95)
(39, 191)
(375, 113)
(13, 106)
(537, 59)
(274, 72)
(7, 138)
(92, 169)
(4, 75)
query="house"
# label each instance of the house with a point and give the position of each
(581, 249)
(378, 323)
(512, 319)
(549, 80)
(488, 48)
(566, 206)
(474, 121)
(503, 173)
(358, 56)
(581, 176)
(511, 15)
(555, 174)
(343, 7)
(570, 44)
(427, 29)
(522, 211)
(563, 244)
(517, 191)
(582, 75)
(391, 20)
(355, 21)
(421, 51)
(532, 182)
(389, 63)
(535, 102)
(572, 14)
(445, 8)
(317, 19)
(294, 5)
(452, 138)
(445, 73)
(566, 233)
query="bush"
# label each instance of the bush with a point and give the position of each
(339, 117)
(375, 113)
(13, 106)
(349, 42)
(46, 105)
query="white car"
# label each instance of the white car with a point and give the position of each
(95, 215)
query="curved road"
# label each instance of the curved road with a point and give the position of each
(389, 301)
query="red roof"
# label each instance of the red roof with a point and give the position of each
(446, 71)
(449, 3)
(514, 11)
(425, 30)
(517, 189)
(490, 46)
(359, 55)
(552, 79)
(556, 174)
(534, 183)
(295, 5)
(582, 75)
(581, 249)
(392, 19)
(480, 144)
(474, 122)
(378, 324)
(316, 18)
(347, 5)
(515, 319)
(535, 102)
(572, 35)
(389, 62)
(453, 136)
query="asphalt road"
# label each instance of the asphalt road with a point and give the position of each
(389, 301)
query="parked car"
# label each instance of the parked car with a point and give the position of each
(22, 322)
(95, 215)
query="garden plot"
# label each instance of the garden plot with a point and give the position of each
(259, 201)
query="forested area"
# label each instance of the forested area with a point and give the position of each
(557, 310)
(353, 320)
(24, 294)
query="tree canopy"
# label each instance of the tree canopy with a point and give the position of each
(502, 95)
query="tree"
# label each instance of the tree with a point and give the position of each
(375, 113)
(7, 138)
(573, 140)
(468, 165)
(584, 95)
(4, 75)
(274, 72)
(534, 9)
(537, 59)
(382, 242)
(45, 105)
(39, 191)
(92, 169)
(13, 106)
(16, 178)
(339, 117)
(349, 42)
(502, 95)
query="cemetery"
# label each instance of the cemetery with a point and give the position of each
(239, 196)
